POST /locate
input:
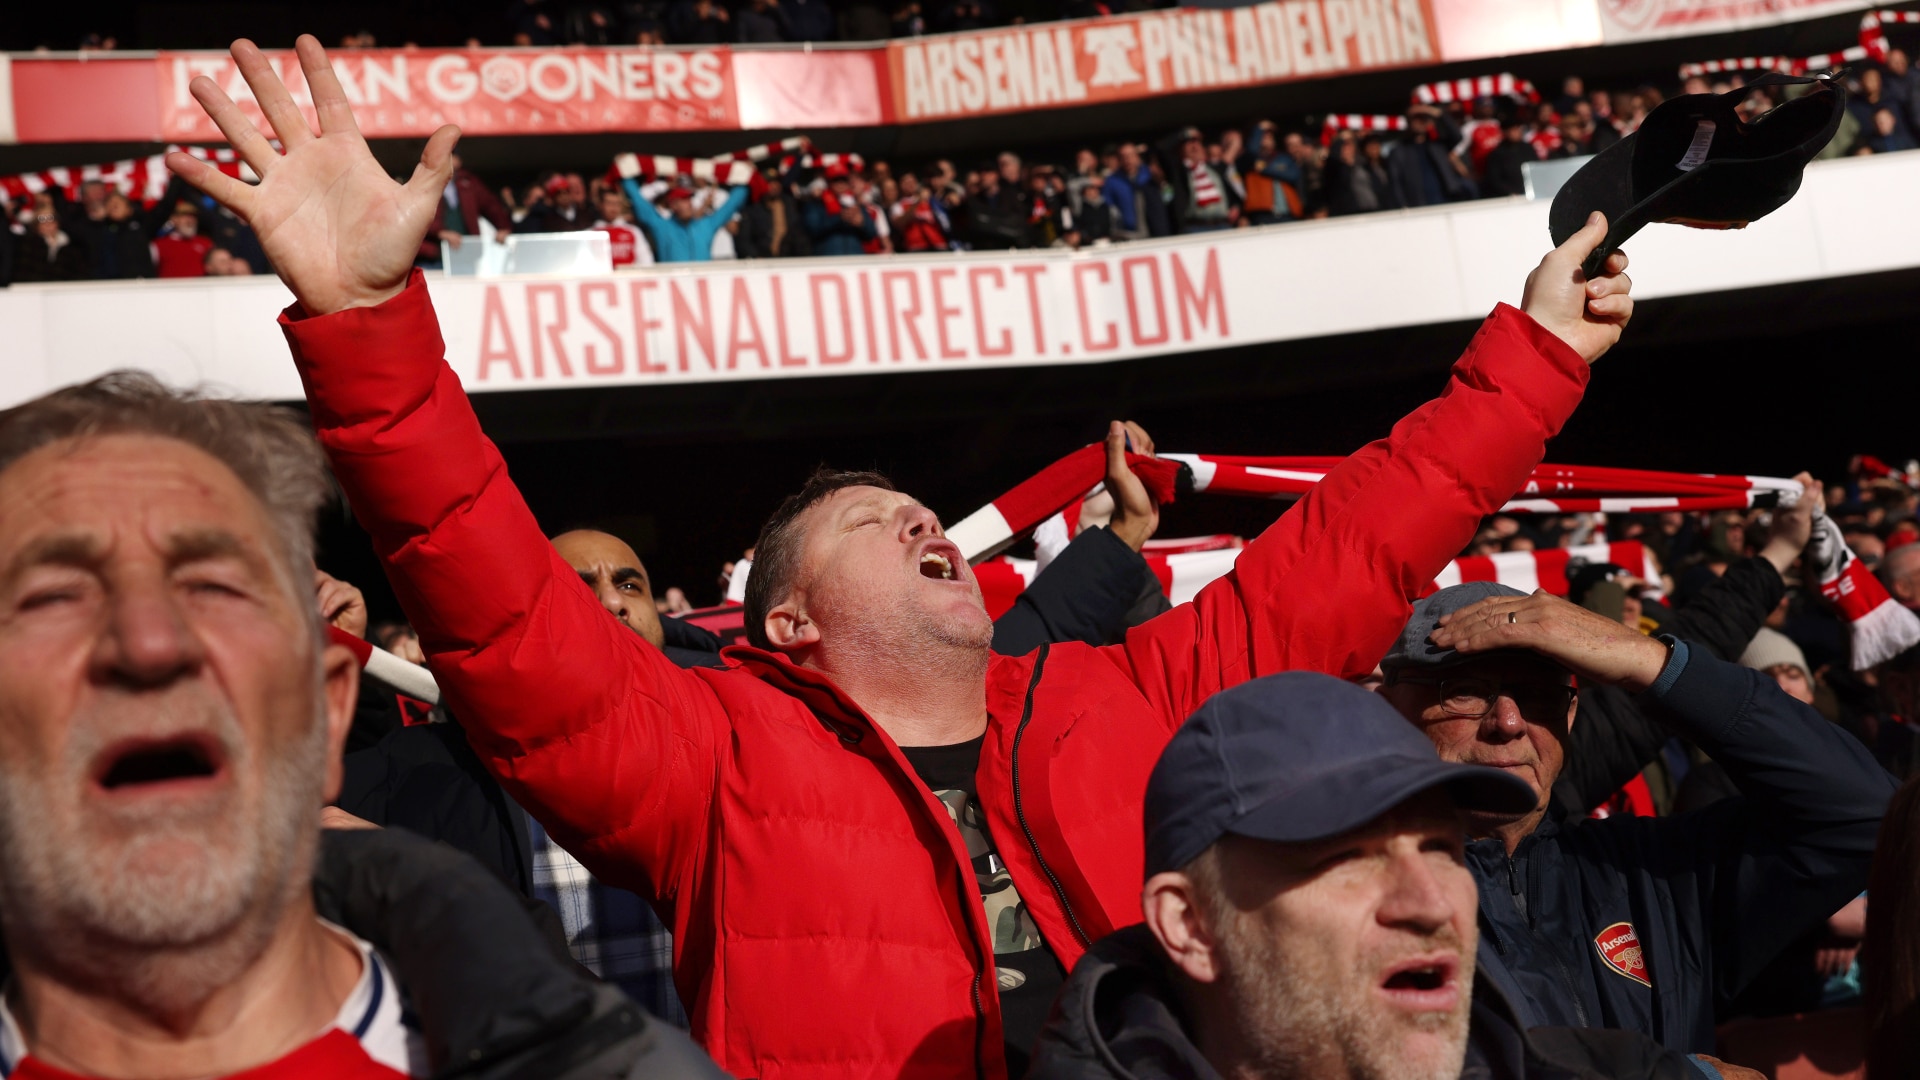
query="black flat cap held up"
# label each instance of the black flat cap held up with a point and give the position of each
(1298, 757)
(1694, 162)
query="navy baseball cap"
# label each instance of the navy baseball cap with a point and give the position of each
(1297, 757)
(1413, 650)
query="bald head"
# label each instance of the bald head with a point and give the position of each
(1900, 569)
(614, 573)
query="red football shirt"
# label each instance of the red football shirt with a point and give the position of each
(182, 256)
(368, 1040)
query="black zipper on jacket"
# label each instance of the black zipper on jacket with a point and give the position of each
(1019, 810)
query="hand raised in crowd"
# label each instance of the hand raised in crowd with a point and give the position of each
(1135, 514)
(1587, 315)
(338, 230)
(1792, 526)
(341, 604)
(1593, 647)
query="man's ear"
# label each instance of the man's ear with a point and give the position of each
(340, 689)
(1178, 922)
(789, 628)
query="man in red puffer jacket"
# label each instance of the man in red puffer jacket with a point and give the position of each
(827, 823)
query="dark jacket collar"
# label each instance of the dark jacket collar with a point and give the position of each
(1119, 1018)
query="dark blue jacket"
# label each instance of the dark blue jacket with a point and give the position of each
(1712, 895)
(830, 232)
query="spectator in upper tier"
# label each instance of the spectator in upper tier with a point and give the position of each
(629, 244)
(122, 246)
(807, 20)
(920, 220)
(1128, 188)
(561, 209)
(677, 235)
(464, 203)
(1000, 214)
(1095, 220)
(1203, 201)
(955, 16)
(835, 220)
(1871, 99)
(1505, 174)
(1313, 202)
(47, 253)
(1887, 135)
(180, 250)
(1625, 922)
(1903, 84)
(699, 22)
(1272, 178)
(760, 22)
(1307, 913)
(1356, 177)
(1423, 170)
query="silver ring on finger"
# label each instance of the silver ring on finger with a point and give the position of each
(1513, 617)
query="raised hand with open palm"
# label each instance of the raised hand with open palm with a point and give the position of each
(338, 230)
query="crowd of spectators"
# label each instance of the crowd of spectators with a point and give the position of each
(1189, 181)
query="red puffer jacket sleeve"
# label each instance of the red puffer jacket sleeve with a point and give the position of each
(605, 741)
(1329, 585)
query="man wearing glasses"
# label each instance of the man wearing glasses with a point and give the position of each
(1647, 924)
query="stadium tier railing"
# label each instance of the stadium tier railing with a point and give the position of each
(798, 318)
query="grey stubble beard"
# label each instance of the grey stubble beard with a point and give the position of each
(106, 918)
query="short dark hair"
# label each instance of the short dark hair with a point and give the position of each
(776, 555)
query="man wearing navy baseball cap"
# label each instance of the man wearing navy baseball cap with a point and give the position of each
(1647, 924)
(1309, 912)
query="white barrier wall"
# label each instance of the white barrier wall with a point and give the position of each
(814, 317)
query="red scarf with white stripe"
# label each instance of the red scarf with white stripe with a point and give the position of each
(1872, 45)
(144, 178)
(1881, 627)
(1206, 191)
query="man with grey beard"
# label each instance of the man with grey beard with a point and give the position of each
(1309, 913)
(171, 722)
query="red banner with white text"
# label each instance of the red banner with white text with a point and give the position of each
(1125, 58)
(411, 92)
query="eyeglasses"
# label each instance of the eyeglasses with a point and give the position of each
(1472, 697)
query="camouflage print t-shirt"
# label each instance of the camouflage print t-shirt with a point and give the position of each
(1029, 975)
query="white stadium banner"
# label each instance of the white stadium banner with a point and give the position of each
(1624, 21)
(754, 320)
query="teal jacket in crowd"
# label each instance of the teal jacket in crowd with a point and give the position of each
(683, 241)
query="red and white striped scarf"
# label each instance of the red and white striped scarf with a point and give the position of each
(144, 178)
(1448, 91)
(1358, 122)
(1873, 46)
(1552, 489)
(1206, 190)
(1881, 628)
(729, 170)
